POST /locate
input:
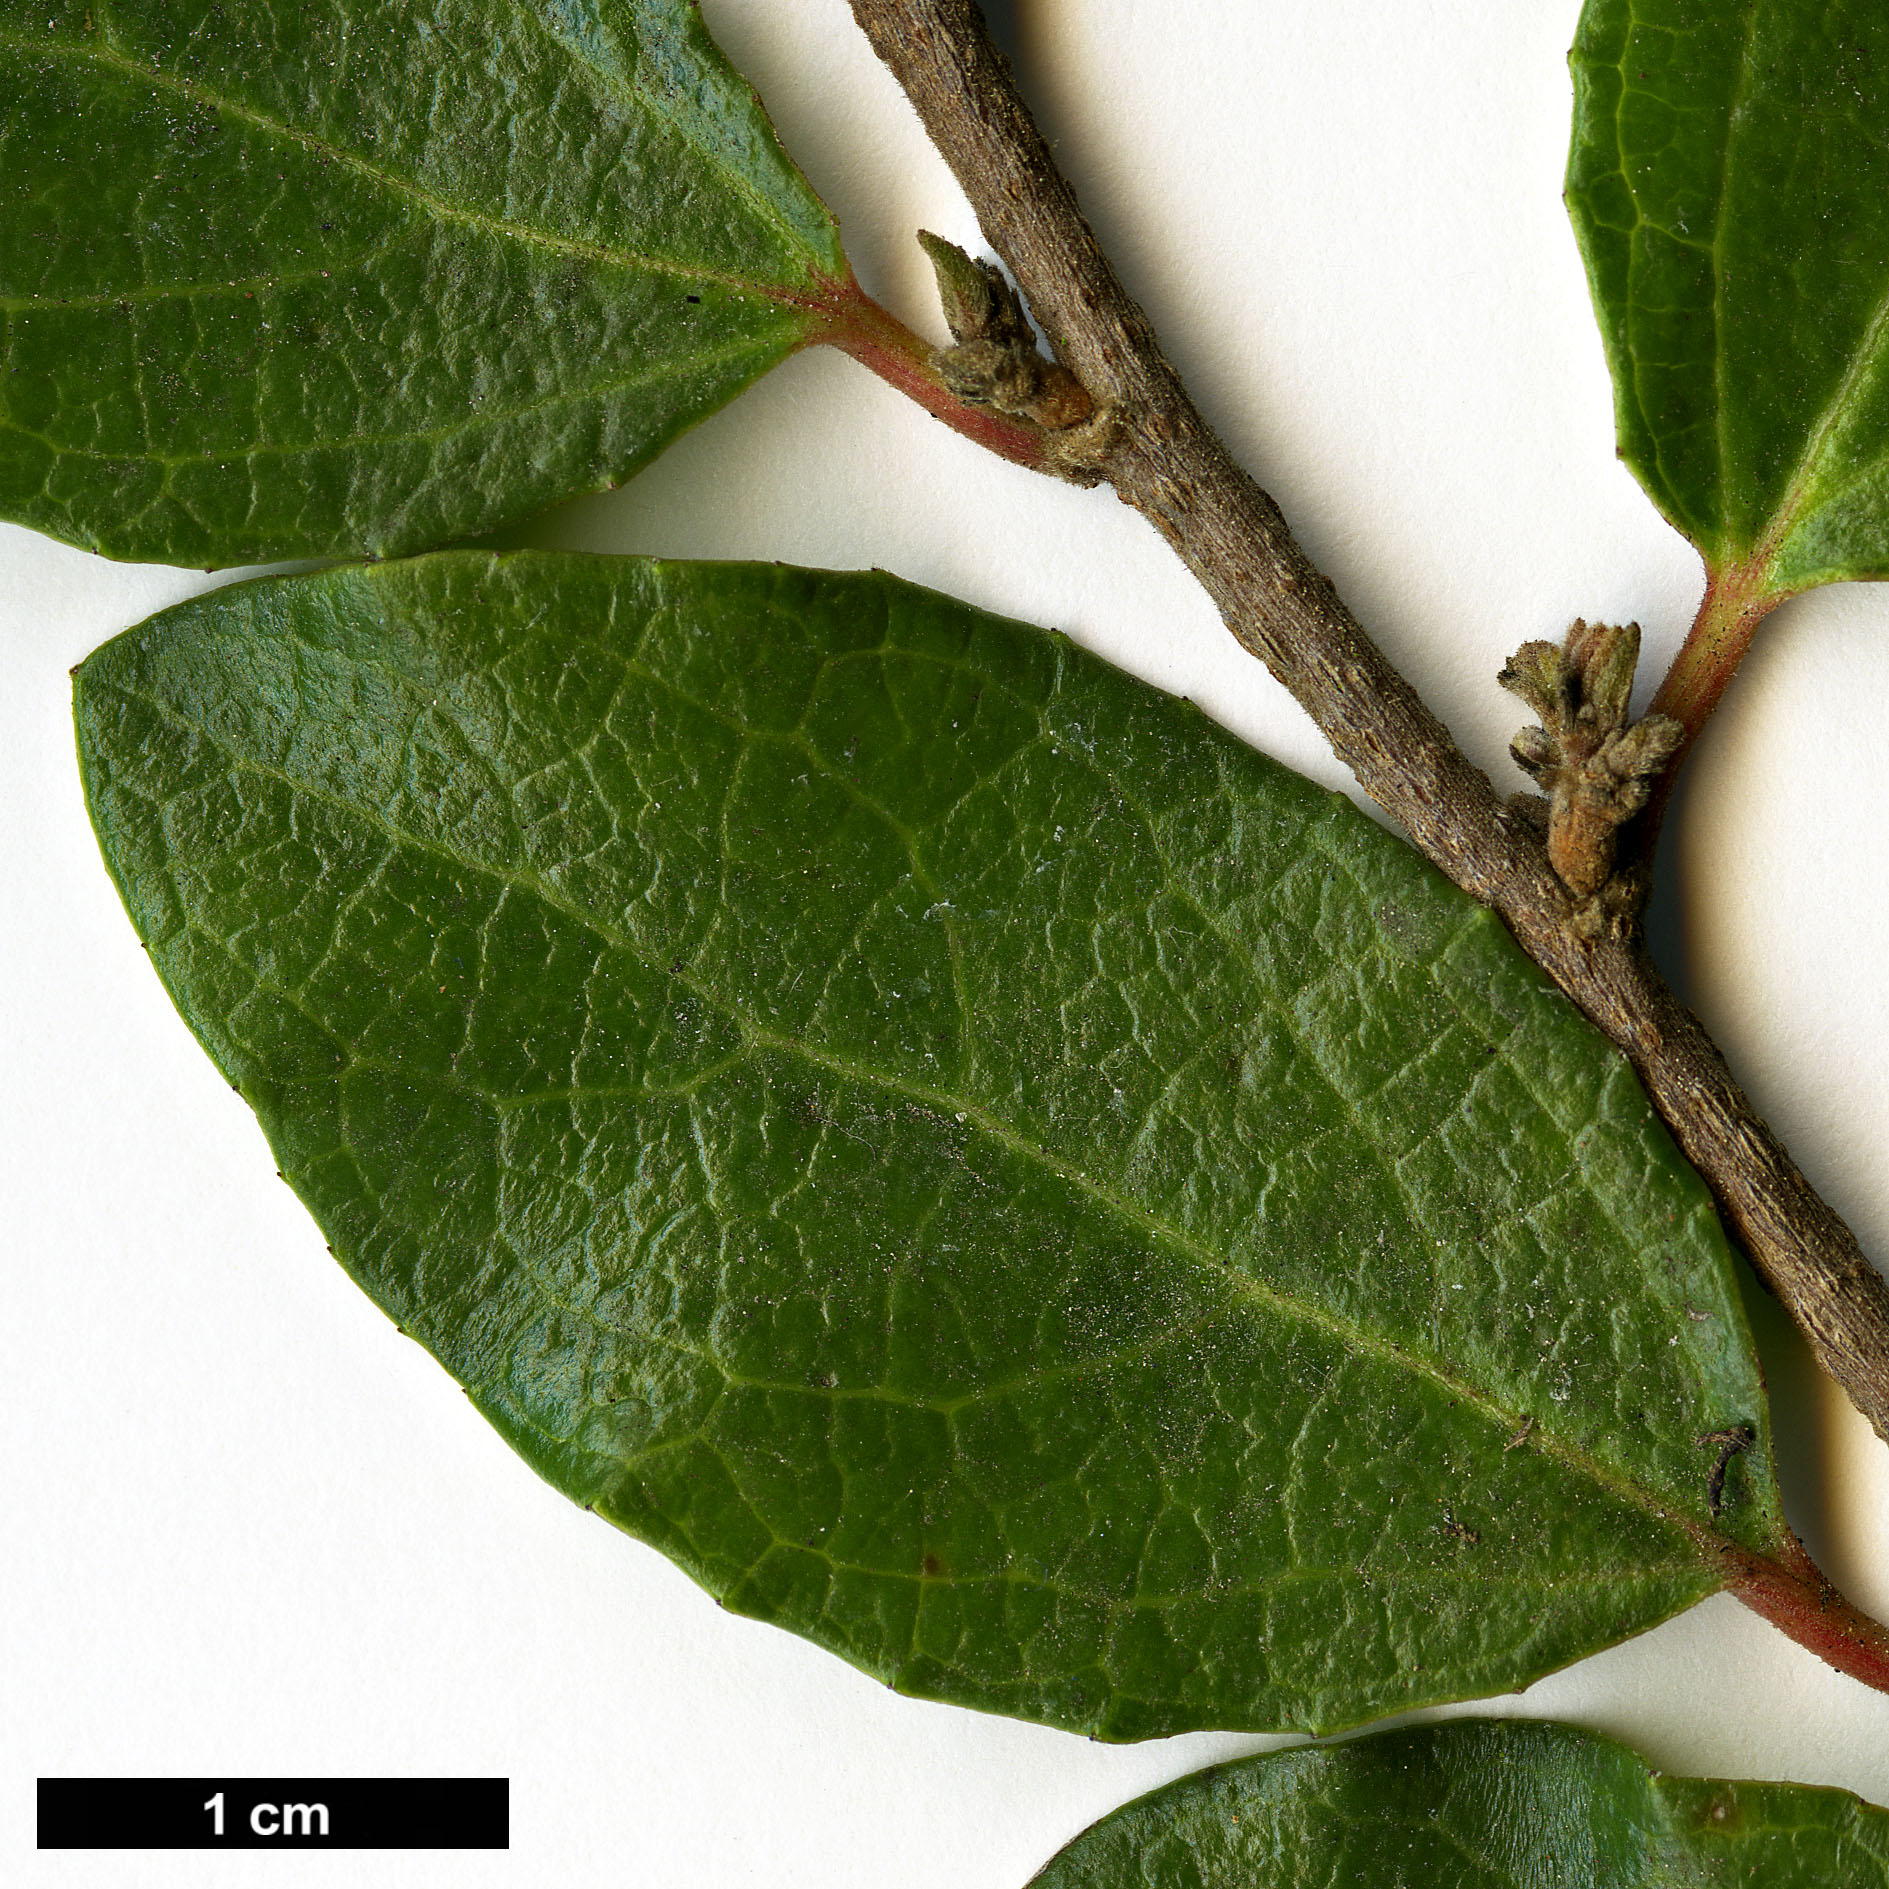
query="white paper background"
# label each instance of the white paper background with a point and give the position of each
(250, 1530)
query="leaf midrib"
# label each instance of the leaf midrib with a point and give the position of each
(1334, 1326)
(266, 283)
(443, 208)
(474, 419)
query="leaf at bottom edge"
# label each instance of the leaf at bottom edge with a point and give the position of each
(1475, 1804)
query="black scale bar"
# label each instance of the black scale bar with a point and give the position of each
(274, 1813)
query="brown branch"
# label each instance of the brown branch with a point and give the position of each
(1168, 465)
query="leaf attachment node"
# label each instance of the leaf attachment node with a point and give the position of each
(994, 362)
(1596, 766)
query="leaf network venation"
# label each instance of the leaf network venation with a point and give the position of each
(296, 281)
(980, 1167)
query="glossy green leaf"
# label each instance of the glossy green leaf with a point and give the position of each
(1507, 1804)
(284, 281)
(978, 1165)
(1726, 183)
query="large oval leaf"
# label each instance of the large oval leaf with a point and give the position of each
(1726, 183)
(979, 1166)
(361, 276)
(1476, 1805)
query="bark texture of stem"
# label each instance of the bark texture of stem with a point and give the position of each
(1169, 466)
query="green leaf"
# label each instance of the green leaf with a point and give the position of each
(292, 281)
(1476, 1805)
(979, 1166)
(1726, 187)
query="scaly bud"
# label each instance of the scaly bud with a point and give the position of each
(994, 360)
(1597, 768)
(979, 303)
